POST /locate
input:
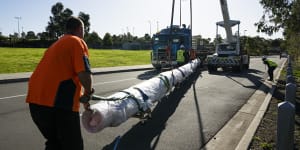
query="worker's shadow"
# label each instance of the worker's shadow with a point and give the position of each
(253, 75)
(145, 136)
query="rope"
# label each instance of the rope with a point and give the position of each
(135, 99)
(181, 72)
(165, 81)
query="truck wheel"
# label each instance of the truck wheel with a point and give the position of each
(158, 68)
(211, 69)
(246, 66)
(238, 68)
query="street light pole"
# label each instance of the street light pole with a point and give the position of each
(180, 14)
(150, 27)
(18, 18)
(157, 28)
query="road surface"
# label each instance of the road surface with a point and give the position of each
(184, 120)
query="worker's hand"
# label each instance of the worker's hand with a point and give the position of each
(87, 106)
(86, 97)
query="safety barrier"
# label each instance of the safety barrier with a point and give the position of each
(286, 113)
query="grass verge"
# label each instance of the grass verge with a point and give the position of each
(26, 59)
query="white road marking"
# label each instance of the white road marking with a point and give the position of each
(13, 96)
(95, 84)
(100, 83)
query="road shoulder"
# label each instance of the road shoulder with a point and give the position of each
(244, 123)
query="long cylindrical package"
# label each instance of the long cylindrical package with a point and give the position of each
(138, 98)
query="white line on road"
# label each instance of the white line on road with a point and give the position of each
(100, 83)
(12, 96)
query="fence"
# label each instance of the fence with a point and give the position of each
(286, 112)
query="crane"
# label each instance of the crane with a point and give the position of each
(228, 54)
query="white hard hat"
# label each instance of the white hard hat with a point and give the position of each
(264, 58)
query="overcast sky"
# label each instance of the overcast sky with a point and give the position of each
(135, 16)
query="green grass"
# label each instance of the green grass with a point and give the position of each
(25, 59)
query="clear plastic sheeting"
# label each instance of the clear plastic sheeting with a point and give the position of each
(136, 99)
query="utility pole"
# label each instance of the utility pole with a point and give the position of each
(157, 28)
(180, 14)
(18, 18)
(150, 27)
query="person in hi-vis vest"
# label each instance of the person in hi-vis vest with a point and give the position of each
(180, 56)
(271, 66)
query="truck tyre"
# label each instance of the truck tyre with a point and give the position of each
(246, 66)
(211, 69)
(238, 68)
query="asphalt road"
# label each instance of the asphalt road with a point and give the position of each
(184, 120)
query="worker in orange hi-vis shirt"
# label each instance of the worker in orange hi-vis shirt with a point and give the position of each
(55, 88)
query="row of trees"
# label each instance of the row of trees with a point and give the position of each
(282, 15)
(55, 29)
(256, 45)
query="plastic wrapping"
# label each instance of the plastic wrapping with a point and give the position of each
(135, 99)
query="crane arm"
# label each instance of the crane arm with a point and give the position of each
(226, 18)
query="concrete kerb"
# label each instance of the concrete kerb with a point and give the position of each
(22, 77)
(238, 132)
(248, 136)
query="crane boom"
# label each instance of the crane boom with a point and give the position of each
(228, 52)
(227, 22)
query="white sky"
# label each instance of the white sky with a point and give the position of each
(135, 16)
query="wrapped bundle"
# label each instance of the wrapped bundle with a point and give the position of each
(139, 98)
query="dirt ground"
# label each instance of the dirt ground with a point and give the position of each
(265, 136)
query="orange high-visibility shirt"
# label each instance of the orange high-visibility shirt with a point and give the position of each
(55, 81)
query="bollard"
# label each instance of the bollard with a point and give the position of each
(290, 79)
(289, 71)
(285, 126)
(290, 93)
(289, 60)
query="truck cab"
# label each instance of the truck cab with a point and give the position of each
(166, 43)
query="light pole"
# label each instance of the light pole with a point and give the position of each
(150, 27)
(157, 28)
(245, 32)
(18, 18)
(246, 40)
(180, 14)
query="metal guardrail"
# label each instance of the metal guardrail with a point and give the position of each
(286, 112)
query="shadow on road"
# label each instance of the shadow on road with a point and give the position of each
(202, 139)
(251, 74)
(148, 74)
(146, 136)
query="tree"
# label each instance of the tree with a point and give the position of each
(275, 16)
(282, 14)
(107, 40)
(93, 40)
(218, 39)
(43, 35)
(86, 21)
(56, 24)
(147, 37)
(30, 35)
